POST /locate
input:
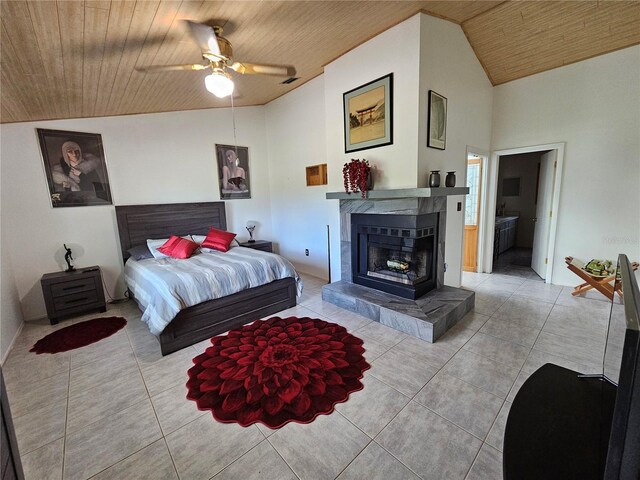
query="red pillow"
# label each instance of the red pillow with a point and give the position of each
(178, 247)
(218, 239)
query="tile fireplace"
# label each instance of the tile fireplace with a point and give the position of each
(392, 247)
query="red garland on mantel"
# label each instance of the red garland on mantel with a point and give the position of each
(79, 335)
(277, 371)
(356, 176)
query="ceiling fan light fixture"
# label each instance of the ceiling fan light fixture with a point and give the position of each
(219, 83)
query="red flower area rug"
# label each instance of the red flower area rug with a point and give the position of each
(79, 335)
(277, 371)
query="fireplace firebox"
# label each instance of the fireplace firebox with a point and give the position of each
(395, 253)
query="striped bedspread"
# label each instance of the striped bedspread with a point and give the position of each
(164, 286)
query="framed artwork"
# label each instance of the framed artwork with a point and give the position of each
(368, 115)
(437, 121)
(233, 171)
(75, 167)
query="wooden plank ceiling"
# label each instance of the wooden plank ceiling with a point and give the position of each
(71, 59)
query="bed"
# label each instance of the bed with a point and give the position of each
(137, 223)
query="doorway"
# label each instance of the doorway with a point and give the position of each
(521, 222)
(519, 234)
(472, 212)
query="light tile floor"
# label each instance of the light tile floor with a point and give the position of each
(117, 409)
(515, 262)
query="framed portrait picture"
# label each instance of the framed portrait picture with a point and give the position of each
(368, 115)
(233, 171)
(437, 135)
(75, 167)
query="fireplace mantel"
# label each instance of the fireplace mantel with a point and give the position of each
(400, 193)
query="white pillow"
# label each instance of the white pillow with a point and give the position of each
(154, 244)
(197, 238)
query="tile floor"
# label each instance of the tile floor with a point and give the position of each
(515, 262)
(117, 409)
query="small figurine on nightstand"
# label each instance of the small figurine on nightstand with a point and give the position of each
(68, 258)
(251, 226)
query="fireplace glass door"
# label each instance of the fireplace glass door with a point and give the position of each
(405, 263)
(395, 253)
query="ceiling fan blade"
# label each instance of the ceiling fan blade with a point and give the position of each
(257, 69)
(204, 36)
(169, 68)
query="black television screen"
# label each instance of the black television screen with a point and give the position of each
(622, 367)
(615, 333)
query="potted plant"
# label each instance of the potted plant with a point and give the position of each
(357, 176)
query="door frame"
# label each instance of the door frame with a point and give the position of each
(492, 199)
(484, 183)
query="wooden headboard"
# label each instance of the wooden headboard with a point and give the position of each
(137, 223)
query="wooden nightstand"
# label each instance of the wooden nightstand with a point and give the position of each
(258, 245)
(72, 293)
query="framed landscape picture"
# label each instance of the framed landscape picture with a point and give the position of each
(75, 167)
(368, 115)
(233, 171)
(437, 128)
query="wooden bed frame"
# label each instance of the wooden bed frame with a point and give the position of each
(137, 223)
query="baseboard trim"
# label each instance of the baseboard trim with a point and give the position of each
(15, 337)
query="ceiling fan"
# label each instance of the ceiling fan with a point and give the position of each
(217, 52)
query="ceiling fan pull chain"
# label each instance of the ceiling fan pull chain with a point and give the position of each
(233, 118)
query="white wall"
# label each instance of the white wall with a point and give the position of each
(593, 106)
(10, 313)
(422, 53)
(296, 139)
(449, 67)
(396, 50)
(156, 158)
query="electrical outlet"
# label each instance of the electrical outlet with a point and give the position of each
(306, 252)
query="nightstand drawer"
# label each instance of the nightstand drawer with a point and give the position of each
(75, 300)
(263, 245)
(264, 248)
(74, 286)
(72, 293)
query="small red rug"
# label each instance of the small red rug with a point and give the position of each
(79, 335)
(277, 371)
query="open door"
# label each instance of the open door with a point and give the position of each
(544, 197)
(472, 215)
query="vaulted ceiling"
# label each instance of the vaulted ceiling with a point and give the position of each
(71, 59)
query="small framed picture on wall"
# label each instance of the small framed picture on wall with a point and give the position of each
(233, 171)
(437, 127)
(75, 167)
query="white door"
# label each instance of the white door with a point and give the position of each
(543, 214)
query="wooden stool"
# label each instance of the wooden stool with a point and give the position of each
(601, 284)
